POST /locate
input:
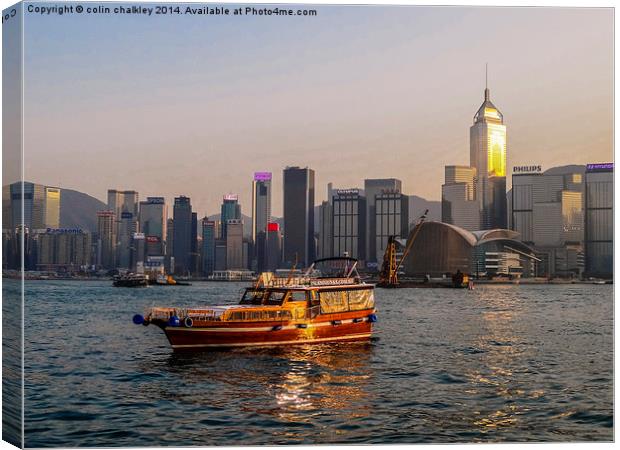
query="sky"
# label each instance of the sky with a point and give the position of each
(194, 105)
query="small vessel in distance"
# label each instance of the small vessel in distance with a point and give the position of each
(167, 280)
(276, 311)
(130, 280)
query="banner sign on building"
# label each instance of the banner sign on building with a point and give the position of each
(347, 191)
(527, 169)
(262, 176)
(64, 231)
(601, 167)
(233, 197)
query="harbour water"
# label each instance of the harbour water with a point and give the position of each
(501, 363)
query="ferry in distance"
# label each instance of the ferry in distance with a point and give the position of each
(277, 311)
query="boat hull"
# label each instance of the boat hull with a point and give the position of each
(243, 334)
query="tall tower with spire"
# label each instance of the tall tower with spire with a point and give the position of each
(487, 144)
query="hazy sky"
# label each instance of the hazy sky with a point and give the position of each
(193, 105)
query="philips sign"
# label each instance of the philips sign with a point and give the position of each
(527, 169)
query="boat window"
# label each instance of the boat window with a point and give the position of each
(361, 299)
(342, 301)
(297, 296)
(252, 297)
(275, 298)
(333, 301)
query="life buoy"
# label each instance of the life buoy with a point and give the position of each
(188, 322)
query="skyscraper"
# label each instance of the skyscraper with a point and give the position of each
(458, 202)
(488, 157)
(52, 207)
(194, 260)
(274, 247)
(234, 245)
(182, 234)
(153, 220)
(261, 215)
(372, 187)
(106, 230)
(33, 197)
(547, 212)
(391, 219)
(231, 210)
(208, 246)
(124, 204)
(348, 224)
(298, 216)
(599, 221)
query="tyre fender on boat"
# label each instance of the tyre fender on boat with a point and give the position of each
(188, 322)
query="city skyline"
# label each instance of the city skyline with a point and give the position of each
(397, 105)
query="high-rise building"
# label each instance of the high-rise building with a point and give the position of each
(547, 212)
(372, 187)
(234, 245)
(127, 227)
(325, 229)
(106, 230)
(349, 224)
(52, 207)
(33, 197)
(458, 200)
(169, 259)
(599, 222)
(66, 249)
(261, 215)
(231, 210)
(488, 157)
(274, 247)
(208, 246)
(299, 243)
(124, 204)
(391, 219)
(182, 235)
(194, 261)
(138, 252)
(153, 220)
(122, 201)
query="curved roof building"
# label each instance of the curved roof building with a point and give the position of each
(440, 248)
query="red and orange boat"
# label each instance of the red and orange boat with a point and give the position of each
(277, 311)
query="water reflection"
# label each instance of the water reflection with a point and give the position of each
(291, 384)
(501, 348)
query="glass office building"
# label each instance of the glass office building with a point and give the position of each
(599, 220)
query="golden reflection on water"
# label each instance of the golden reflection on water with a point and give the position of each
(309, 380)
(499, 340)
(324, 379)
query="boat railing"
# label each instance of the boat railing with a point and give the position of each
(195, 314)
(308, 281)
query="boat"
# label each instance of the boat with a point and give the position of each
(277, 311)
(167, 280)
(130, 280)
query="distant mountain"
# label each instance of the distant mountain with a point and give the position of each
(79, 210)
(564, 170)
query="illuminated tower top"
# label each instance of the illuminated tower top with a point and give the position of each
(487, 111)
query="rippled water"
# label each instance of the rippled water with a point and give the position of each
(501, 363)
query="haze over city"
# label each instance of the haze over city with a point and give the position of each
(195, 105)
